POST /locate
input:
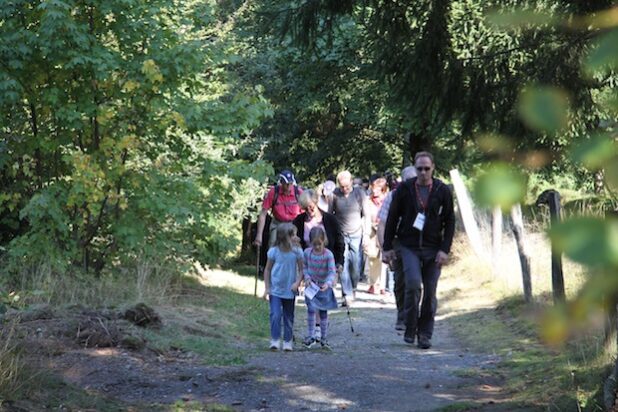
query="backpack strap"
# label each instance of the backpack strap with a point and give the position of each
(296, 194)
(276, 196)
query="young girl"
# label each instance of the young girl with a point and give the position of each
(282, 277)
(320, 273)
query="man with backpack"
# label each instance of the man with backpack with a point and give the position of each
(348, 204)
(282, 201)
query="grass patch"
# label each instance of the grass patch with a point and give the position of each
(199, 407)
(47, 391)
(219, 324)
(460, 407)
(211, 315)
(222, 331)
(11, 365)
(488, 317)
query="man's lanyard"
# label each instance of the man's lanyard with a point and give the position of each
(420, 198)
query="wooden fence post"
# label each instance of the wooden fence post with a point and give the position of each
(517, 224)
(552, 198)
(496, 239)
(467, 215)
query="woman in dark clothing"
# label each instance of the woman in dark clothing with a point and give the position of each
(313, 216)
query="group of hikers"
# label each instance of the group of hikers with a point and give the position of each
(392, 232)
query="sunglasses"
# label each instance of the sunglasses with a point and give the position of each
(423, 169)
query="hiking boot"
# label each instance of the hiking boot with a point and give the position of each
(288, 346)
(400, 325)
(274, 345)
(408, 337)
(424, 342)
(325, 344)
(309, 342)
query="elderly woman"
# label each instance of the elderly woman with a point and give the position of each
(376, 270)
(312, 217)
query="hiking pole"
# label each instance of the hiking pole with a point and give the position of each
(347, 307)
(257, 271)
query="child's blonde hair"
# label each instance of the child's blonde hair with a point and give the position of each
(317, 233)
(285, 233)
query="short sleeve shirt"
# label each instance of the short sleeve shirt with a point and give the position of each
(284, 271)
(287, 208)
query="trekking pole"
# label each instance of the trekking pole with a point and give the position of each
(347, 307)
(257, 271)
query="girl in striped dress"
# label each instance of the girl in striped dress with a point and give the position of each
(320, 273)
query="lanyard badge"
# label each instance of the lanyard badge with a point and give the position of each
(419, 222)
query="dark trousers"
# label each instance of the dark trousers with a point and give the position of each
(400, 286)
(421, 275)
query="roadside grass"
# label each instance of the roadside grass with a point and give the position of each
(11, 363)
(211, 315)
(488, 314)
(44, 390)
(200, 407)
(220, 325)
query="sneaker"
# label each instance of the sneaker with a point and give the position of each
(400, 325)
(274, 345)
(325, 344)
(309, 342)
(424, 342)
(288, 346)
(318, 333)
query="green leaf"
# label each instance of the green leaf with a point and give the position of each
(544, 108)
(595, 152)
(501, 186)
(604, 54)
(521, 19)
(612, 103)
(591, 241)
(611, 173)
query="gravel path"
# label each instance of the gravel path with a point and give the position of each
(371, 369)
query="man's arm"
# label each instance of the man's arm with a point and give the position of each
(260, 227)
(449, 228)
(391, 222)
(449, 222)
(266, 206)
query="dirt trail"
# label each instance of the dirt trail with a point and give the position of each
(371, 369)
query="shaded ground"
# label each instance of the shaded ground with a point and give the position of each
(371, 369)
